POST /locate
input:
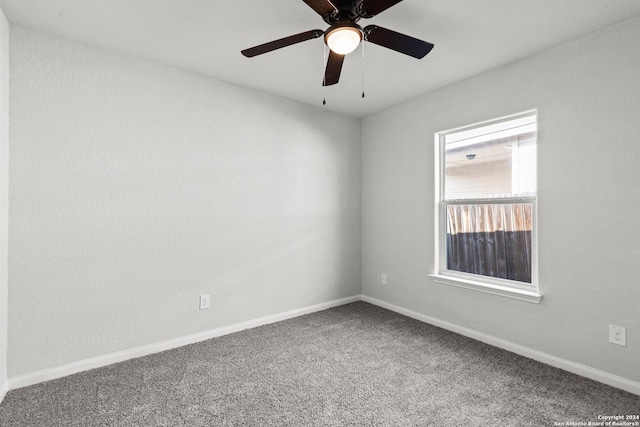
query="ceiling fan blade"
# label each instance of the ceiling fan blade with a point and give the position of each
(322, 7)
(397, 41)
(280, 43)
(334, 67)
(371, 8)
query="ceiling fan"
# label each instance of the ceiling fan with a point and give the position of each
(344, 34)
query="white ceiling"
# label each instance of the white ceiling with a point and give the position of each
(206, 36)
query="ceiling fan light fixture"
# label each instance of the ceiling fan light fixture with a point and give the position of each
(344, 35)
(344, 39)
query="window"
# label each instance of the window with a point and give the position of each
(487, 205)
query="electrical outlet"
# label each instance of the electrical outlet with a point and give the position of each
(618, 335)
(204, 302)
(383, 278)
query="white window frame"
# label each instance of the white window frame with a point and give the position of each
(491, 285)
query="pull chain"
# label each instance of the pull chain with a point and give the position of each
(324, 88)
(363, 68)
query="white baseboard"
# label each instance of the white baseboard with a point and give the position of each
(120, 356)
(567, 365)
(3, 390)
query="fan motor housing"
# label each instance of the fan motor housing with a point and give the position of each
(348, 11)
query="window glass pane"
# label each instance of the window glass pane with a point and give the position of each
(490, 240)
(498, 164)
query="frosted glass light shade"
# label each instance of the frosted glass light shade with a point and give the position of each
(344, 40)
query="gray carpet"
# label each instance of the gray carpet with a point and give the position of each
(355, 365)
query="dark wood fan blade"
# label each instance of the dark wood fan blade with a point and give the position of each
(371, 8)
(322, 7)
(280, 43)
(397, 41)
(334, 67)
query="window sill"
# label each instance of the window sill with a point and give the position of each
(503, 291)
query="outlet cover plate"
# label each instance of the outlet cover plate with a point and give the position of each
(204, 302)
(618, 335)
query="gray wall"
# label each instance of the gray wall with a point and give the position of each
(136, 187)
(587, 93)
(4, 195)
